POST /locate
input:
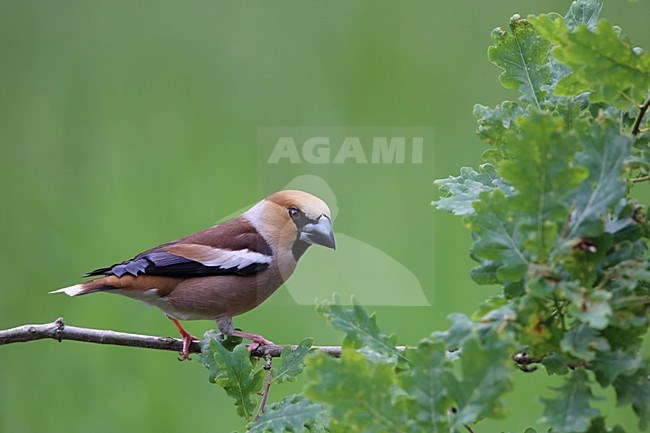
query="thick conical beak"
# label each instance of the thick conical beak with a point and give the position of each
(319, 233)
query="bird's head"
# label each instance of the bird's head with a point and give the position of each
(293, 220)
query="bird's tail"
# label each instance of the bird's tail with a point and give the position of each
(98, 285)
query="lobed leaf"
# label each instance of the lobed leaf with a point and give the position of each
(497, 238)
(291, 362)
(294, 413)
(635, 390)
(361, 331)
(542, 173)
(493, 123)
(583, 12)
(609, 365)
(463, 190)
(523, 56)
(234, 372)
(427, 398)
(583, 342)
(360, 393)
(604, 151)
(483, 379)
(570, 411)
(602, 63)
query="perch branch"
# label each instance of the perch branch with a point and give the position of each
(59, 331)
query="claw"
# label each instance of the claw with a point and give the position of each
(257, 340)
(187, 340)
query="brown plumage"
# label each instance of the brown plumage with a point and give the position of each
(222, 271)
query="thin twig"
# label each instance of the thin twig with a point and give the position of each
(59, 331)
(640, 179)
(636, 127)
(267, 387)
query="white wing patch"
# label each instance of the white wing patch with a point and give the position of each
(235, 259)
(218, 257)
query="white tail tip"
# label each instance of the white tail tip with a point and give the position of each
(70, 291)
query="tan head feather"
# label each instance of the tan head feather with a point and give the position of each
(310, 205)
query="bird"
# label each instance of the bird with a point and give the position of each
(222, 271)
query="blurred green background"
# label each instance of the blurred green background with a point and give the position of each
(127, 124)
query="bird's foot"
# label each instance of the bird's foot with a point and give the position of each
(187, 340)
(257, 340)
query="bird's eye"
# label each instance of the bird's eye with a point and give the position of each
(293, 212)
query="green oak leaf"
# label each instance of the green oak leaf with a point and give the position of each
(555, 364)
(463, 190)
(583, 342)
(609, 365)
(604, 152)
(489, 306)
(291, 362)
(602, 63)
(635, 390)
(361, 394)
(486, 272)
(583, 12)
(293, 414)
(483, 379)
(570, 411)
(361, 330)
(627, 222)
(523, 56)
(461, 328)
(593, 308)
(627, 276)
(598, 426)
(542, 173)
(492, 125)
(497, 238)
(428, 400)
(234, 372)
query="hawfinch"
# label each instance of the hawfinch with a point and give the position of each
(222, 271)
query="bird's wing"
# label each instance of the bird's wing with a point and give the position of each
(230, 248)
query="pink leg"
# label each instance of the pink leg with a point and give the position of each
(257, 340)
(187, 339)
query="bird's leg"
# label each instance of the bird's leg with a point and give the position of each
(257, 340)
(187, 339)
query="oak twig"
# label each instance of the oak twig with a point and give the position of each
(267, 386)
(636, 128)
(640, 179)
(59, 331)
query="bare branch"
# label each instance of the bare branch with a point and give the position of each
(267, 387)
(640, 179)
(59, 331)
(636, 128)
